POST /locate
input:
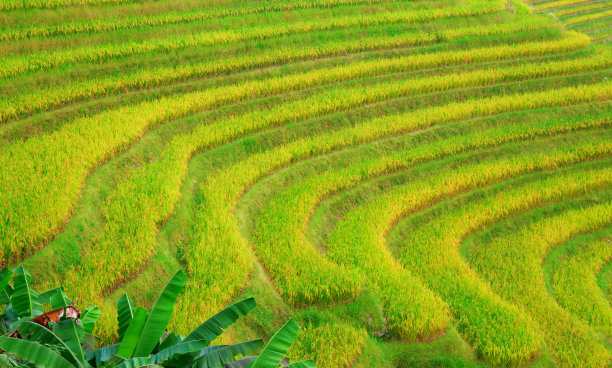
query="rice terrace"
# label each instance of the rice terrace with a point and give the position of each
(376, 183)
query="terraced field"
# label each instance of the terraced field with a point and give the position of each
(591, 17)
(419, 183)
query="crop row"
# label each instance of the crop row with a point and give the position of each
(369, 255)
(588, 17)
(333, 345)
(8, 5)
(511, 263)
(215, 224)
(156, 20)
(575, 284)
(583, 8)
(302, 274)
(367, 241)
(16, 65)
(215, 219)
(558, 3)
(496, 329)
(41, 191)
(15, 105)
(129, 203)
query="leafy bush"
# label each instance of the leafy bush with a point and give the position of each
(61, 337)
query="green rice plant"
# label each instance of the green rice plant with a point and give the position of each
(279, 237)
(297, 267)
(42, 177)
(330, 345)
(8, 5)
(575, 288)
(511, 263)
(136, 232)
(587, 17)
(214, 200)
(583, 8)
(301, 273)
(33, 206)
(20, 64)
(176, 17)
(431, 250)
(518, 7)
(15, 105)
(216, 221)
(215, 225)
(557, 4)
(349, 245)
(251, 33)
(274, 243)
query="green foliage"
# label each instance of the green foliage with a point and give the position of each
(159, 316)
(125, 313)
(58, 338)
(34, 353)
(89, 317)
(69, 349)
(24, 300)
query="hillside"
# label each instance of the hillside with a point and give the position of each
(420, 183)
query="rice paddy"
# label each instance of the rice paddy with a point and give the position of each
(419, 183)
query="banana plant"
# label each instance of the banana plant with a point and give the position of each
(62, 337)
(22, 303)
(58, 337)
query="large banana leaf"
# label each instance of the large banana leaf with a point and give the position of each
(59, 299)
(160, 315)
(5, 288)
(132, 334)
(35, 332)
(45, 297)
(170, 340)
(25, 300)
(214, 326)
(89, 317)
(303, 364)
(89, 342)
(138, 362)
(242, 363)
(125, 313)
(178, 350)
(34, 353)
(187, 359)
(277, 347)
(218, 358)
(98, 357)
(8, 362)
(73, 336)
